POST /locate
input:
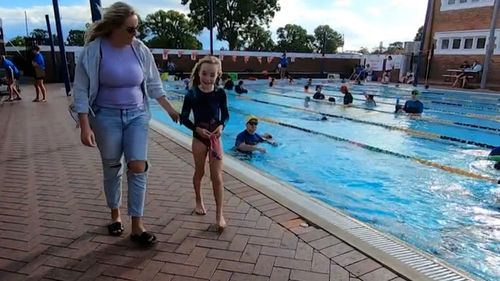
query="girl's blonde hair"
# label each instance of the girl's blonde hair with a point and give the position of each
(114, 16)
(194, 80)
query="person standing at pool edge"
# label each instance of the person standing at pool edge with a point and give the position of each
(284, 65)
(39, 65)
(114, 77)
(209, 106)
(12, 74)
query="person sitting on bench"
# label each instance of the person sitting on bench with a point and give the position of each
(475, 69)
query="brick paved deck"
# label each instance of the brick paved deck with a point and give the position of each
(53, 216)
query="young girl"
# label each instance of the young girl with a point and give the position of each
(209, 106)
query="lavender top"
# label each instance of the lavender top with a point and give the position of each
(120, 78)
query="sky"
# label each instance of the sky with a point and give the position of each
(364, 23)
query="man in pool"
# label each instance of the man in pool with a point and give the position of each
(496, 152)
(248, 140)
(413, 106)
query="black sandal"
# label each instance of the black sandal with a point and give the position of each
(143, 239)
(115, 229)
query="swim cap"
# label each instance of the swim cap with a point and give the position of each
(252, 118)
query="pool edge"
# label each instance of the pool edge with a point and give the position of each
(410, 262)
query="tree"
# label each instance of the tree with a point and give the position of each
(364, 51)
(326, 39)
(39, 34)
(171, 29)
(294, 38)
(256, 38)
(395, 48)
(18, 41)
(232, 17)
(420, 32)
(76, 38)
(55, 39)
(142, 31)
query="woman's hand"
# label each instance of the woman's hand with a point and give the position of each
(204, 133)
(218, 131)
(87, 137)
(174, 115)
(169, 109)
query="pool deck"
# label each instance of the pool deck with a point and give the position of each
(53, 215)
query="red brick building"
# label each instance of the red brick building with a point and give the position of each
(458, 30)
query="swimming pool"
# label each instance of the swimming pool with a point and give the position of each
(415, 178)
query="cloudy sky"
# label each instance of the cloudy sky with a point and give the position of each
(364, 23)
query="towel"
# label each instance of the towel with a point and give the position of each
(215, 147)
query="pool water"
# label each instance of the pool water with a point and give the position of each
(367, 161)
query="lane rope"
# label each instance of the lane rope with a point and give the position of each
(423, 118)
(416, 133)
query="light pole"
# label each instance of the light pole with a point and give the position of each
(491, 44)
(430, 4)
(52, 49)
(96, 14)
(62, 50)
(211, 24)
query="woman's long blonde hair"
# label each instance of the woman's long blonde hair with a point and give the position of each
(114, 16)
(194, 80)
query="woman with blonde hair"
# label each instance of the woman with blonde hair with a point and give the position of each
(209, 106)
(114, 77)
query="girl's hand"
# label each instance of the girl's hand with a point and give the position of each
(204, 133)
(218, 131)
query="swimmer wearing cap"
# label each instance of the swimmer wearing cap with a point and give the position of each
(248, 140)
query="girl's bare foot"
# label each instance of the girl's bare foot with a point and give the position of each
(221, 224)
(200, 209)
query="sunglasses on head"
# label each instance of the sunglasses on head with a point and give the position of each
(253, 123)
(132, 29)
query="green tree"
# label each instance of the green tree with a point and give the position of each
(18, 41)
(76, 38)
(364, 51)
(256, 38)
(420, 32)
(39, 34)
(232, 17)
(327, 38)
(294, 38)
(142, 31)
(55, 39)
(395, 48)
(171, 29)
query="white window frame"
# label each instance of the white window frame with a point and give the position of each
(468, 38)
(467, 5)
(470, 34)
(452, 43)
(440, 43)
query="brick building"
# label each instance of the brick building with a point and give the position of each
(458, 30)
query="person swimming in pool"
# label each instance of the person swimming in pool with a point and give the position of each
(348, 99)
(414, 106)
(248, 140)
(496, 152)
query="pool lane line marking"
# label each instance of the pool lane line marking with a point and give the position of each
(380, 150)
(472, 115)
(423, 118)
(416, 133)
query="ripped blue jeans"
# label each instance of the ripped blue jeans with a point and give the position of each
(122, 133)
